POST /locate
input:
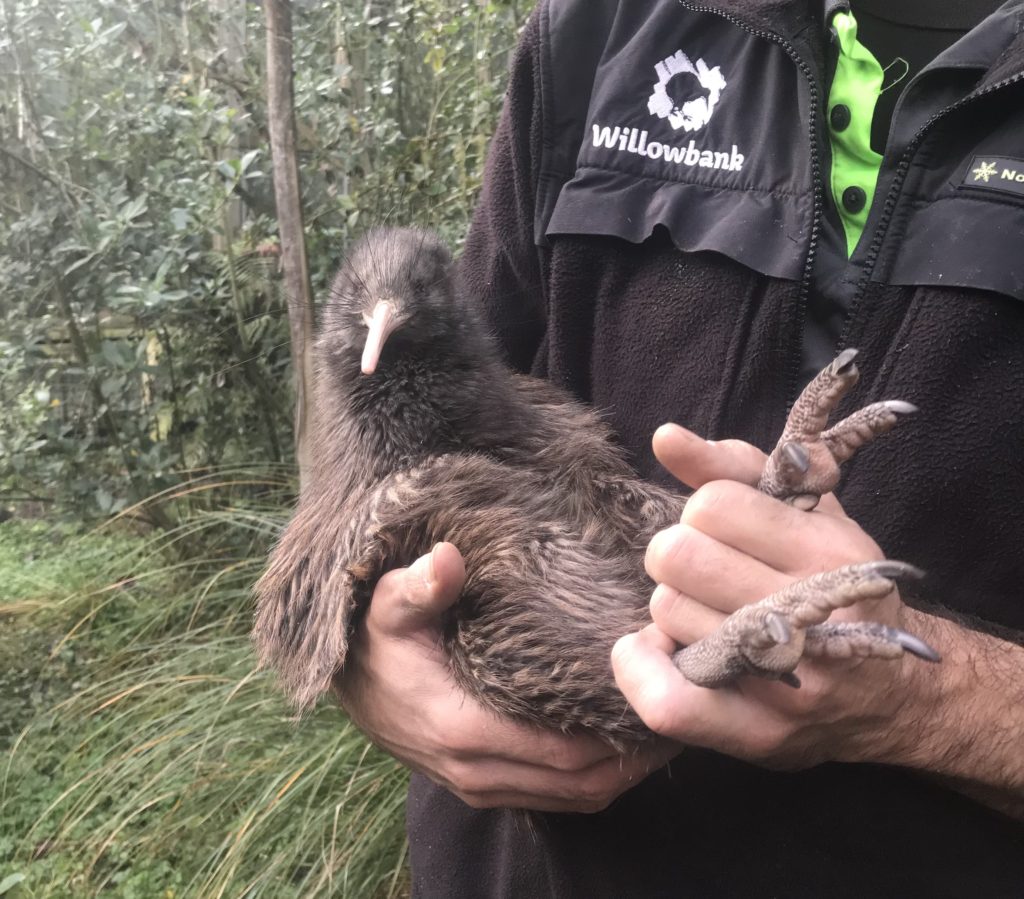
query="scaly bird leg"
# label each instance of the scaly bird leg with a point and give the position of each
(805, 462)
(769, 638)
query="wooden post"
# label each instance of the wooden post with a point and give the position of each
(281, 120)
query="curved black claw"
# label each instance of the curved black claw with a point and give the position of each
(843, 363)
(779, 629)
(916, 646)
(797, 456)
(900, 407)
(890, 568)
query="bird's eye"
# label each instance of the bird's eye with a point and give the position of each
(419, 287)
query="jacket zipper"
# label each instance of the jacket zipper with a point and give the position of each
(892, 197)
(793, 375)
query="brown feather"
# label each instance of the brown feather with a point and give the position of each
(443, 443)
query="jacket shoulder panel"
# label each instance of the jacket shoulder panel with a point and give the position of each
(657, 115)
(573, 34)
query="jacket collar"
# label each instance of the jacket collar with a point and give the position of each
(995, 47)
(1010, 62)
(786, 19)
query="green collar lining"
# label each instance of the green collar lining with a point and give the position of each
(851, 106)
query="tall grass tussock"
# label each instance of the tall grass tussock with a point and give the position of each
(161, 763)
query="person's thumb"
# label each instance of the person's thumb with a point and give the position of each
(696, 461)
(410, 599)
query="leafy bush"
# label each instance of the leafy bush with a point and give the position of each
(145, 353)
(141, 307)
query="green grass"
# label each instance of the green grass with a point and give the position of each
(145, 756)
(42, 566)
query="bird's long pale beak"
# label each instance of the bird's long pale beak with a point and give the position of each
(380, 323)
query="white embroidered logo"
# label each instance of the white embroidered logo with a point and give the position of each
(686, 93)
(984, 171)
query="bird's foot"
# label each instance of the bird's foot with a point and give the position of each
(805, 462)
(770, 637)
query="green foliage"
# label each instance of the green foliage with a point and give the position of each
(42, 565)
(141, 311)
(124, 332)
(161, 763)
(145, 352)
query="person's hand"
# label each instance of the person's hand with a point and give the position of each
(398, 689)
(732, 547)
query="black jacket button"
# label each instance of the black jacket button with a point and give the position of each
(840, 117)
(854, 199)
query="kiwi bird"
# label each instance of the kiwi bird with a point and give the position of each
(422, 435)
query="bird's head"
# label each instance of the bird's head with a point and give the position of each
(396, 283)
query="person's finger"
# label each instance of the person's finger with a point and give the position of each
(782, 537)
(468, 732)
(681, 617)
(672, 706)
(653, 685)
(409, 599)
(689, 560)
(695, 461)
(528, 802)
(515, 785)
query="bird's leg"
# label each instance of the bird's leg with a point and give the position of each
(805, 462)
(770, 637)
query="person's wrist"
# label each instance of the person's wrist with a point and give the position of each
(969, 723)
(924, 696)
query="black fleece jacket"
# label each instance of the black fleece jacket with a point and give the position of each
(661, 291)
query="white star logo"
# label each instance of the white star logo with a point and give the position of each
(984, 171)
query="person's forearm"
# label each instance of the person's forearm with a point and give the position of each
(964, 719)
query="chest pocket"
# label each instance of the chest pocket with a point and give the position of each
(696, 125)
(960, 217)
